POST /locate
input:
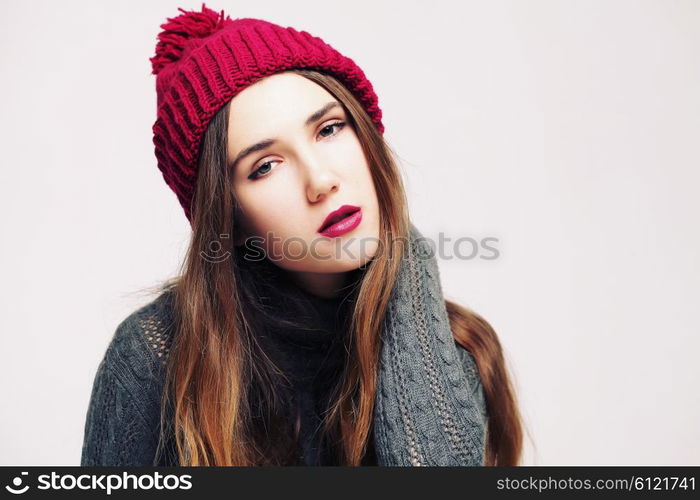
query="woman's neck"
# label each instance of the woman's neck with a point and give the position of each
(324, 285)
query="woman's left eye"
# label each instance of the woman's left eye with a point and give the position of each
(331, 127)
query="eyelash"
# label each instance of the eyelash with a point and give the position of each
(339, 124)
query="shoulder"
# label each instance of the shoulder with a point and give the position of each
(139, 348)
(123, 416)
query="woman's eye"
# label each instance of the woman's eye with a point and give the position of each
(261, 171)
(331, 127)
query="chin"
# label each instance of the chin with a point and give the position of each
(336, 256)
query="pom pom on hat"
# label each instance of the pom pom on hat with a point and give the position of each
(178, 30)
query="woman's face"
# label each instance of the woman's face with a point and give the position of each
(306, 162)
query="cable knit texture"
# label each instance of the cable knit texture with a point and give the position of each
(204, 59)
(430, 407)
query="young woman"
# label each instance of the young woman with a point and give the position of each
(307, 324)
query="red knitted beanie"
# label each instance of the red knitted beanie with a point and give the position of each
(203, 59)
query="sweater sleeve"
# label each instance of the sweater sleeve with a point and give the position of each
(115, 434)
(122, 425)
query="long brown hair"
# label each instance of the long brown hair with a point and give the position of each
(226, 392)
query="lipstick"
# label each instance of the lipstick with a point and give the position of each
(341, 221)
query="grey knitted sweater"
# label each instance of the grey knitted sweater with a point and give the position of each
(429, 409)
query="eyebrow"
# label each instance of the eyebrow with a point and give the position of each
(266, 143)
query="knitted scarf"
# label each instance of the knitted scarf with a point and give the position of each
(427, 411)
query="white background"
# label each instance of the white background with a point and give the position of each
(568, 130)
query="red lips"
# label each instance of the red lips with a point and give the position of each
(337, 215)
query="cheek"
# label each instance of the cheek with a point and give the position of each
(359, 175)
(349, 159)
(268, 209)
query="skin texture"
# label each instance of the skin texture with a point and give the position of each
(310, 171)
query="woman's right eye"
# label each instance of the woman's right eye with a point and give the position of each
(261, 171)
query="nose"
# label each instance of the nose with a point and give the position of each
(321, 182)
